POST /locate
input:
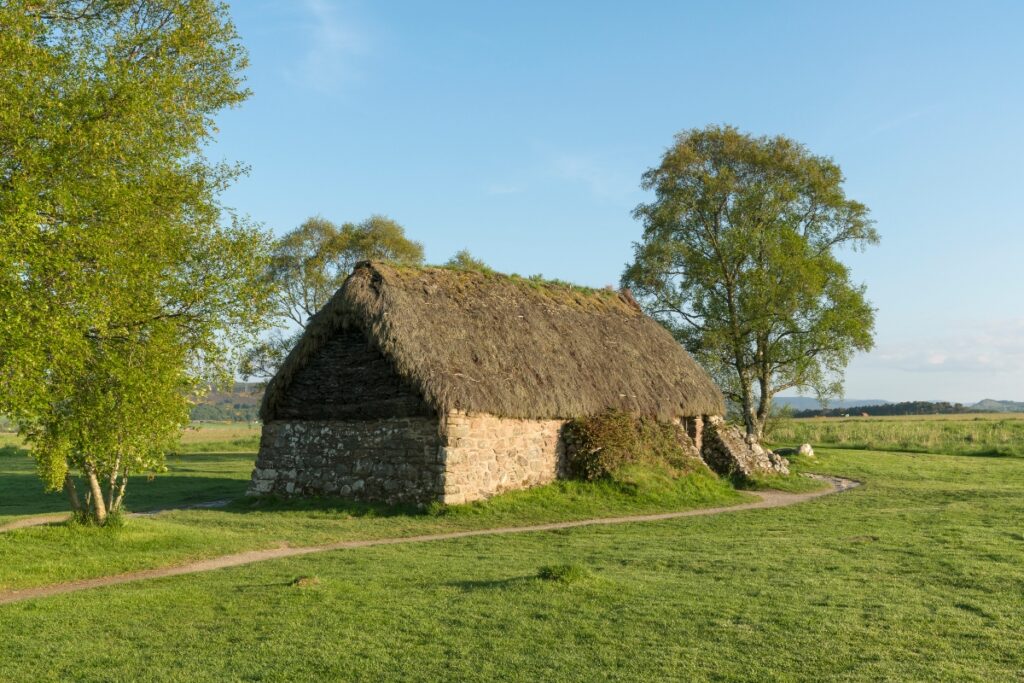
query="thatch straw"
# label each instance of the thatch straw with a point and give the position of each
(509, 346)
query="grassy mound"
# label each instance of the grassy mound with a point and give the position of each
(564, 573)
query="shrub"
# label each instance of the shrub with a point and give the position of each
(601, 445)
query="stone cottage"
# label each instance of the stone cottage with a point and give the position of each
(431, 384)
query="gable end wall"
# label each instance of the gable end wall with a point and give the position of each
(391, 460)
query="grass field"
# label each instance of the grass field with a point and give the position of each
(200, 437)
(49, 554)
(917, 575)
(982, 434)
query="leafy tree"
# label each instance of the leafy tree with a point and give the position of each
(308, 266)
(739, 260)
(123, 289)
(379, 238)
(463, 260)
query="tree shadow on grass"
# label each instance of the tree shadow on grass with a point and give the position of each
(192, 480)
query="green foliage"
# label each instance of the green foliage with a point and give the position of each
(307, 267)
(122, 289)
(379, 238)
(608, 442)
(311, 262)
(738, 259)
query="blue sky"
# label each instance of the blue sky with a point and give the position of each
(520, 131)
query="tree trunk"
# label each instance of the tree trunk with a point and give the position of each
(749, 414)
(115, 505)
(69, 488)
(99, 508)
(764, 406)
(112, 486)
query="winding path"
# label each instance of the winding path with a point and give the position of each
(768, 499)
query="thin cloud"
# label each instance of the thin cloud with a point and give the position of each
(502, 189)
(899, 121)
(600, 180)
(333, 46)
(991, 347)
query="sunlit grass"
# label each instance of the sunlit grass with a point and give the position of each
(915, 576)
(1000, 434)
(48, 554)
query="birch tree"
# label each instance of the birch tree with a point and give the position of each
(124, 283)
(740, 260)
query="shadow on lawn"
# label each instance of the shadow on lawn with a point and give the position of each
(491, 584)
(192, 480)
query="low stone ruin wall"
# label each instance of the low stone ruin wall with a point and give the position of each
(457, 459)
(485, 455)
(727, 452)
(392, 460)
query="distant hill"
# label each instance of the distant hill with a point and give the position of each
(809, 403)
(241, 404)
(991, 405)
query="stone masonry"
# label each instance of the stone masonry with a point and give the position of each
(461, 458)
(694, 427)
(393, 460)
(458, 458)
(485, 455)
(727, 452)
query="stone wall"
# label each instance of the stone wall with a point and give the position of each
(485, 455)
(393, 460)
(726, 451)
(459, 458)
(694, 427)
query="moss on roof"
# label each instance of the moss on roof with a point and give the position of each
(510, 346)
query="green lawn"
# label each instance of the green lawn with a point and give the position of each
(917, 575)
(192, 479)
(199, 437)
(50, 554)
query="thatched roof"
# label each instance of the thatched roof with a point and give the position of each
(509, 346)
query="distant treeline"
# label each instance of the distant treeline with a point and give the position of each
(225, 412)
(904, 408)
